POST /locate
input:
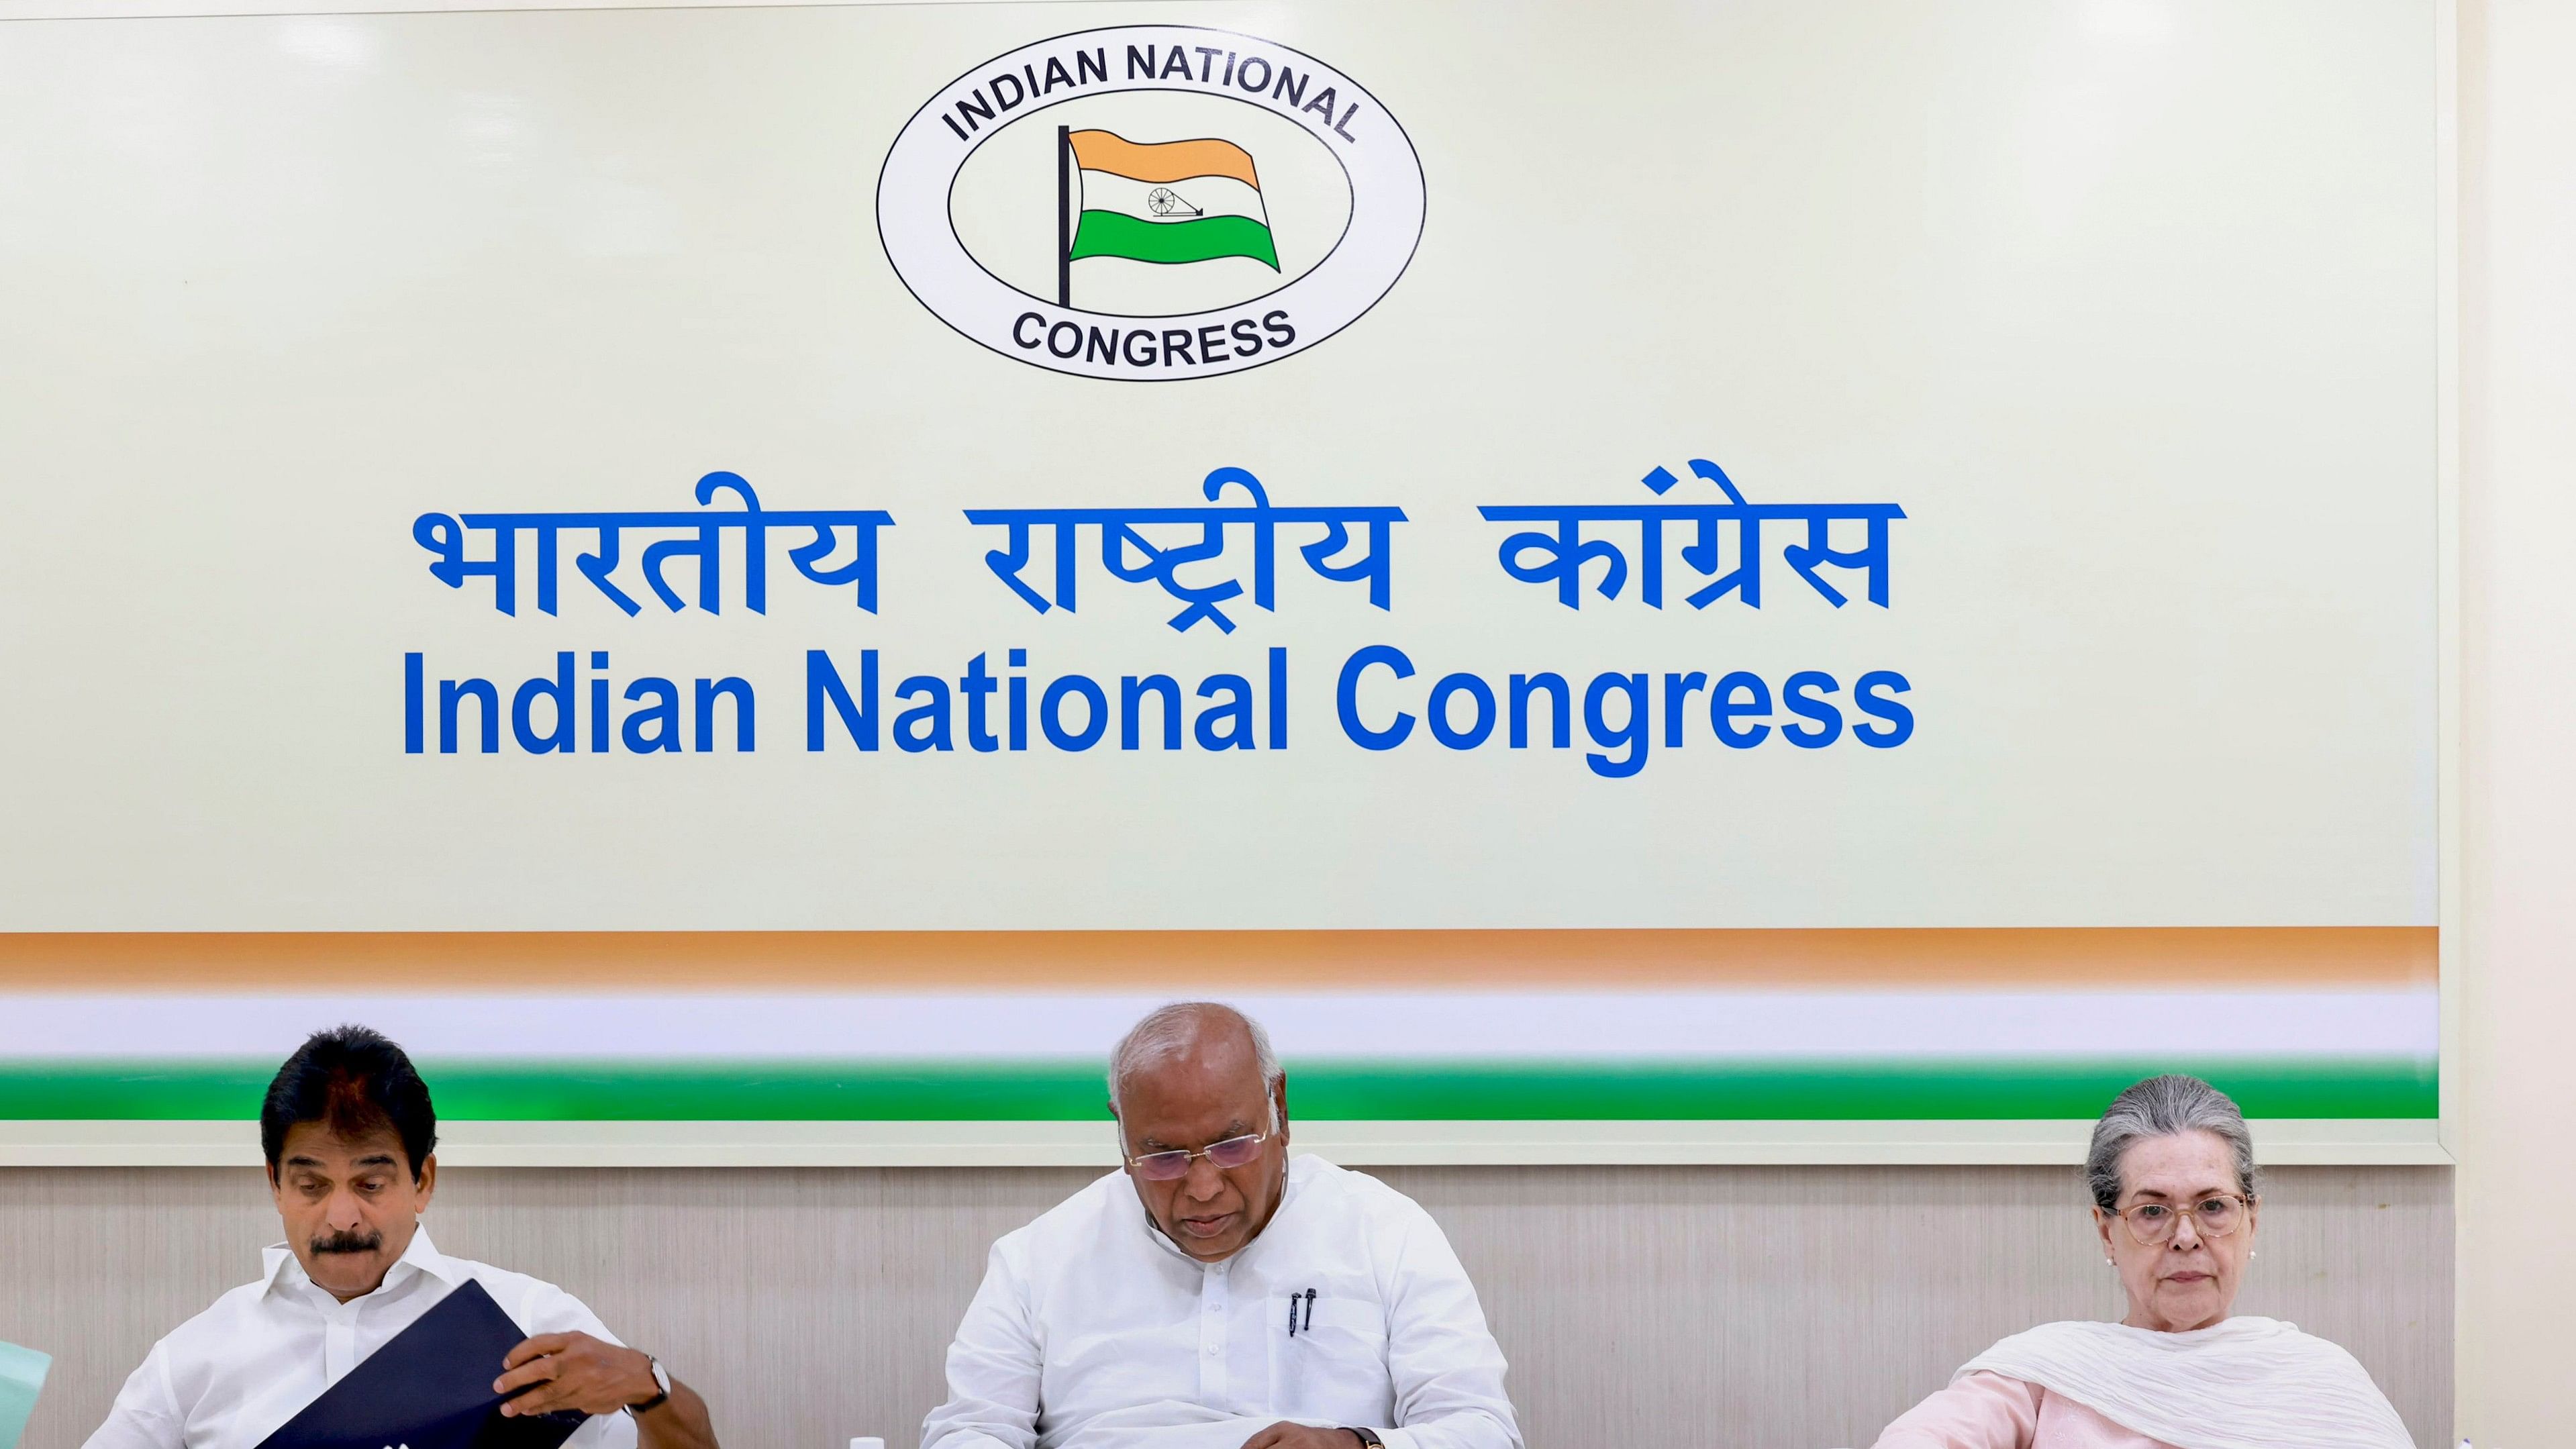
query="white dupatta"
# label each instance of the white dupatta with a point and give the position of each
(2248, 1383)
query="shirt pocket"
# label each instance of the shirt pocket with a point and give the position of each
(1334, 1366)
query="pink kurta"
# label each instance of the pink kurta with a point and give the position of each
(1989, 1411)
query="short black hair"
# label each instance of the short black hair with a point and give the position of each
(354, 1081)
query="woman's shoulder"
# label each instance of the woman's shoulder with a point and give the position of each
(1976, 1411)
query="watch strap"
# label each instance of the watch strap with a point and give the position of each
(1366, 1436)
(661, 1381)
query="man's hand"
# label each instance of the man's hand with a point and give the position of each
(574, 1371)
(1301, 1436)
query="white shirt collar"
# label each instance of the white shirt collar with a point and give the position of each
(279, 1265)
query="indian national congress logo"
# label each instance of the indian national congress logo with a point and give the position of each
(1150, 202)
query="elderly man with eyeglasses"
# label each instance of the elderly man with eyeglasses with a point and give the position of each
(1215, 1294)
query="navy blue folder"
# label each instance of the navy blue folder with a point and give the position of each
(429, 1387)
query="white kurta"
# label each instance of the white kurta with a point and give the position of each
(1092, 1331)
(229, 1377)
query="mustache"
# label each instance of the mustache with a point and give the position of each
(350, 1242)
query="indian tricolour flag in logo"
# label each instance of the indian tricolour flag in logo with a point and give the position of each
(1164, 202)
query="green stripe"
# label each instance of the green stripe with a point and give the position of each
(613, 1090)
(1116, 234)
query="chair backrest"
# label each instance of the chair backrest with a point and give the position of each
(22, 1376)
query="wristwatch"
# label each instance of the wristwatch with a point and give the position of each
(661, 1381)
(1367, 1437)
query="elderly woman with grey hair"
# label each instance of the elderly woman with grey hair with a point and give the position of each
(2176, 1200)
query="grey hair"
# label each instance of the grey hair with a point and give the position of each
(2163, 1107)
(1170, 1028)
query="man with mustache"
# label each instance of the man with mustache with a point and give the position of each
(1217, 1295)
(349, 1134)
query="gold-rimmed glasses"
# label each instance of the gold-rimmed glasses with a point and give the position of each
(2214, 1216)
(1232, 1152)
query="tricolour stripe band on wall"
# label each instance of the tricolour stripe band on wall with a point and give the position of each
(1495, 1026)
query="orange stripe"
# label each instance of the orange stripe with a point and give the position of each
(1162, 161)
(1217, 961)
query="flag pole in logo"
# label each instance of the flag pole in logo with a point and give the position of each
(1066, 178)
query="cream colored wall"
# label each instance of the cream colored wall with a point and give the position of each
(2513, 1078)
(1668, 1308)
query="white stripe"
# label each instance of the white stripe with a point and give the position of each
(1196, 197)
(1752, 1025)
